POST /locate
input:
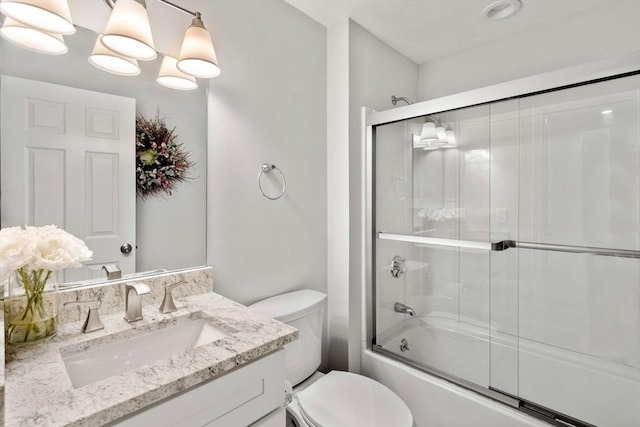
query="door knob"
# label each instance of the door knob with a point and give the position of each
(126, 248)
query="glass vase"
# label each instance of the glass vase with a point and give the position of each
(32, 312)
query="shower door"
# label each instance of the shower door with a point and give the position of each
(579, 311)
(506, 249)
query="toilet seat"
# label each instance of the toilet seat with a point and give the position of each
(344, 399)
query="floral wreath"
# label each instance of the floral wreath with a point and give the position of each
(161, 162)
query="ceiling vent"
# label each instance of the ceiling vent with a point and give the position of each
(501, 9)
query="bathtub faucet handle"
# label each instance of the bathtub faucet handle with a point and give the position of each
(397, 266)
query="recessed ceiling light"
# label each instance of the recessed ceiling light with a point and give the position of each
(606, 112)
(501, 9)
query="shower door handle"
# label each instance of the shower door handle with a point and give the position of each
(503, 245)
(437, 241)
(621, 253)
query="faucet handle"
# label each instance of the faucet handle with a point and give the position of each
(92, 322)
(168, 305)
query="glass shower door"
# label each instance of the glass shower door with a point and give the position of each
(506, 249)
(579, 313)
(432, 215)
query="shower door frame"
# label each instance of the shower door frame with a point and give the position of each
(593, 72)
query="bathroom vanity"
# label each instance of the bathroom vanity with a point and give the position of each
(211, 362)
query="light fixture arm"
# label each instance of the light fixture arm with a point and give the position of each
(180, 8)
(112, 3)
(197, 21)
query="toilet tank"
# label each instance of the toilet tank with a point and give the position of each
(304, 310)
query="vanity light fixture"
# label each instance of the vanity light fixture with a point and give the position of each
(451, 137)
(32, 39)
(433, 132)
(128, 31)
(197, 55)
(51, 16)
(429, 132)
(105, 59)
(171, 77)
(434, 135)
(441, 133)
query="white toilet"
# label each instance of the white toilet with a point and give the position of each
(337, 399)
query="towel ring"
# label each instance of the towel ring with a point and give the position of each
(268, 167)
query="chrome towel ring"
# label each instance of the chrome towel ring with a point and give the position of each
(266, 168)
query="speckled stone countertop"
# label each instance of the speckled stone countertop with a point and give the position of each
(39, 391)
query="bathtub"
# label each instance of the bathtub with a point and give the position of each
(601, 390)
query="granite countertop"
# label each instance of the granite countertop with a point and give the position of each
(39, 391)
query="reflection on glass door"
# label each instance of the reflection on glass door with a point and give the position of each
(433, 299)
(507, 248)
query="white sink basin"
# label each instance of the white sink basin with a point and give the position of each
(115, 358)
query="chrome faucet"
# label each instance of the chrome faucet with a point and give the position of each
(112, 271)
(168, 305)
(92, 322)
(133, 300)
(402, 308)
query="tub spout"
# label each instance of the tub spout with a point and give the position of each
(404, 309)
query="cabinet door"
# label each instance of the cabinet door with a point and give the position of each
(238, 398)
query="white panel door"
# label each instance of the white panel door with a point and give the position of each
(68, 158)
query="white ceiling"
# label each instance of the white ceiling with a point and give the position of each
(424, 30)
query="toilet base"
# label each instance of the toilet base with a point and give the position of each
(294, 415)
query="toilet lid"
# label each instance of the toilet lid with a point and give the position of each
(343, 399)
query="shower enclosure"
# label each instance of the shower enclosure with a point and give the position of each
(503, 247)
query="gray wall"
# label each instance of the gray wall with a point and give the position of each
(169, 231)
(363, 71)
(376, 72)
(373, 72)
(269, 105)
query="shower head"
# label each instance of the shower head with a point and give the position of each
(395, 99)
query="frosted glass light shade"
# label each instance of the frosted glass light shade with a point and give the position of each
(451, 137)
(51, 16)
(197, 55)
(107, 60)
(32, 39)
(441, 133)
(170, 76)
(429, 132)
(128, 31)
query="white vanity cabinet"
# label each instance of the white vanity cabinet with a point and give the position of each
(252, 394)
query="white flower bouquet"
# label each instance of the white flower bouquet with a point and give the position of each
(28, 256)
